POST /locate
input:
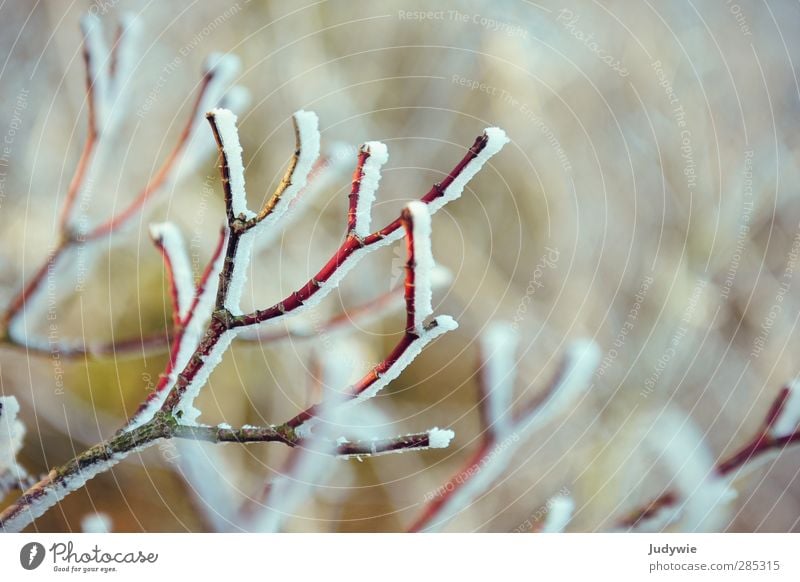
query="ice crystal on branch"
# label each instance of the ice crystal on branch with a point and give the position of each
(12, 431)
(208, 317)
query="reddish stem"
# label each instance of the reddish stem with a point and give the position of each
(762, 443)
(433, 508)
(159, 180)
(351, 245)
(358, 174)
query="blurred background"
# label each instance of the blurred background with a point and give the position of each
(647, 199)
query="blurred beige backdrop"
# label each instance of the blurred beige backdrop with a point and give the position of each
(648, 199)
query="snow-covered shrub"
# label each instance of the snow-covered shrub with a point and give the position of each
(208, 317)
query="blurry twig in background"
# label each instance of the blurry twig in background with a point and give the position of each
(106, 73)
(206, 319)
(780, 429)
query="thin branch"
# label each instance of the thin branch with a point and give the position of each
(199, 346)
(169, 242)
(500, 442)
(353, 249)
(286, 181)
(358, 316)
(218, 75)
(767, 440)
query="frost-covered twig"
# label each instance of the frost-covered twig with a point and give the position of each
(12, 475)
(97, 523)
(504, 431)
(559, 514)
(779, 429)
(169, 242)
(106, 73)
(417, 290)
(209, 317)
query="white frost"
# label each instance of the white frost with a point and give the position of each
(52, 492)
(498, 348)
(98, 66)
(207, 472)
(423, 258)
(440, 438)
(169, 237)
(309, 466)
(98, 523)
(483, 475)
(12, 431)
(789, 418)
(496, 139)
(185, 409)
(444, 323)
(308, 131)
(680, 446)
(225, 121)
(222, 69)
(378, 155)
(241, 267)
(192, 336)
(580, 362)
(559, 514)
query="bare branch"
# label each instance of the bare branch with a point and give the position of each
(169, 242)
(497, 448)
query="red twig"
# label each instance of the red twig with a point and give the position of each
(501, 439)
(350, 246)
(762, 443)
(70, 239)
(358, 174)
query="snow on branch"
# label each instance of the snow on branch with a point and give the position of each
(367, 176)
(355, 248)
(308, 466)
(296, 178)
(558, 515)
(496, 374)
(451, 188)
(210, 318)
(97, 60)
(693, 506)
(680, 447)
(493, 457)
(418, 292)
(216, 91)
(223, 123)
(189, 333)
(97, 523)
(12, 431)
(572, 380)
(419, 266)
(107, 83)
(107, 71)
(207, 471)
(311, 462)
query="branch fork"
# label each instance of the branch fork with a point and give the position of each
(207, 317)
